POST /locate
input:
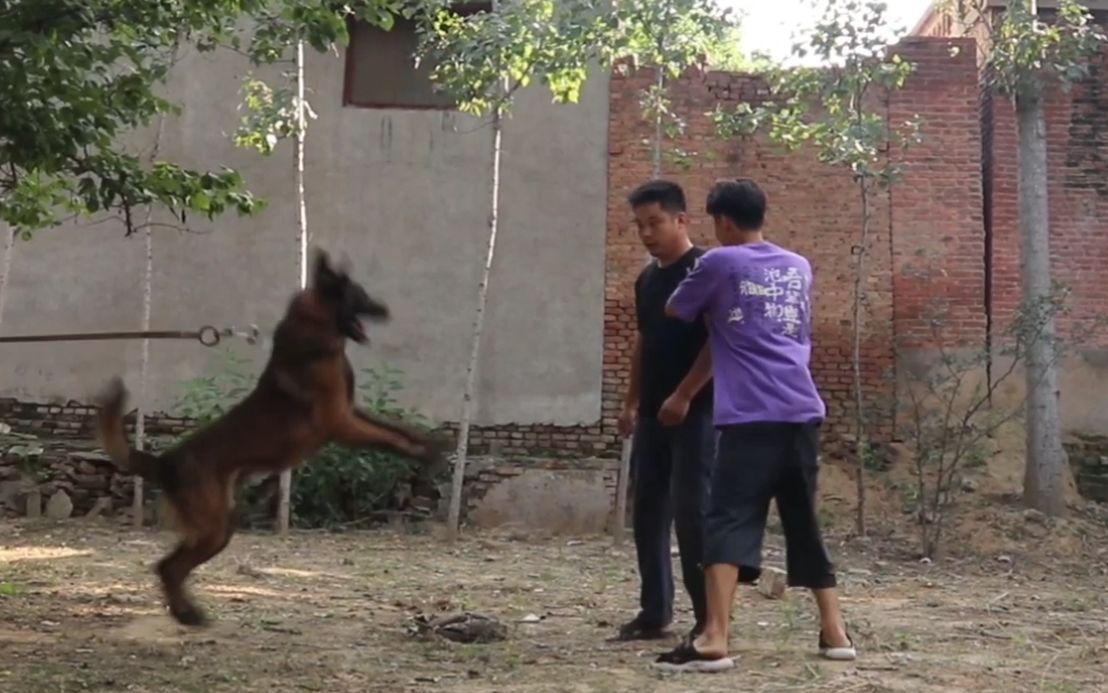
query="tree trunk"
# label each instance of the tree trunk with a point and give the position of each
(6, 264)
(144, 368)
(1046, 474)
(862, 443)
(137, 514)
(454, 515)
(475, 343)
(659, 131)
(284, 503)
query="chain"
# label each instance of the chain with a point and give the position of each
(208, 335)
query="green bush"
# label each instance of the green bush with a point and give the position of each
(338, 485)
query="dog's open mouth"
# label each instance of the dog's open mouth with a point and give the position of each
(357, 331)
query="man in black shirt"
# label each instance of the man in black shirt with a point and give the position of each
(668, 406)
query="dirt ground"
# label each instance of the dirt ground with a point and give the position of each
(1025, 610)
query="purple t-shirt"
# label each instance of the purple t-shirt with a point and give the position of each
(758, 305)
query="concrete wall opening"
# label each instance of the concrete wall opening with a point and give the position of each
(382, 71)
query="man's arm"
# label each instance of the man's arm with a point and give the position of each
(676, 407)
(694, 294)
(698, 376)
(631, 399)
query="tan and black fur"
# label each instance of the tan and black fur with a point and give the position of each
(302, 401)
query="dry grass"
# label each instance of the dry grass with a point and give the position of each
(321, 612)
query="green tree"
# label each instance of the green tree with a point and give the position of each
(483, 59)
(79, 76)
(728, 55)
(669, 36)
(76, 76)
(281, 111)
(835, 109)
(1028, 56)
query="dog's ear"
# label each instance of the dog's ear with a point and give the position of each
(323, 276)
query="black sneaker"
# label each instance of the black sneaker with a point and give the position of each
(639, 628)
(694, 633)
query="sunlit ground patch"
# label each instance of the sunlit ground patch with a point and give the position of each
(244, 591)
(308, 574)
(40, 553)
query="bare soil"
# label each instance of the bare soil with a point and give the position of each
(1017, 604)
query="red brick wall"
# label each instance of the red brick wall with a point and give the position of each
(937, 209)
(1077, 141)
(815, 210)
(1077, 151)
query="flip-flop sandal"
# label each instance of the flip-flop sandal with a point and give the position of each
(685, 657)
(837, 654)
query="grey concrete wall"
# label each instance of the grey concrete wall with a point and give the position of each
(1083, 383)
(1083, 376)
(405, 194)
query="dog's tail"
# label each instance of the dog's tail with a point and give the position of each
(112, 434)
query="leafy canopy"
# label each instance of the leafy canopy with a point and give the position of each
(77, 76)
(830, 107)
(1029, 52)
(483, 58)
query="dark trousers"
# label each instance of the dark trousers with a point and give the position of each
(671, 471)
(758, 462)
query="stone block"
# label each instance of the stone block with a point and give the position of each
(558, 502)
(34, 504)
(102, 506)
(772, 583)
(59, 507)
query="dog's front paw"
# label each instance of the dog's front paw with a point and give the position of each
(434, 456)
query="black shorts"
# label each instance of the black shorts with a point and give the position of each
(757, 462)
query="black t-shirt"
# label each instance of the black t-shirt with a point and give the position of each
(669, 346)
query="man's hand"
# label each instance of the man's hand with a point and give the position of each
(674, 410)
(627, 421)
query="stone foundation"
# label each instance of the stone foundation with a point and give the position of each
(1088, 455)
(552, 495)
(73, 419)
(85, 475)
(568, 496)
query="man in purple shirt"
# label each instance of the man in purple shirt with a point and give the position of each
(756, 299)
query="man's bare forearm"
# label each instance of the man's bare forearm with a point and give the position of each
(698, 376)
(631, 398)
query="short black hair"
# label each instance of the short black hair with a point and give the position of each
(669, 196)
(741, 201)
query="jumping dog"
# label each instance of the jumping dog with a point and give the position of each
(303, 400)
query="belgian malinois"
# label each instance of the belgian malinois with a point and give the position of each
(302, 401)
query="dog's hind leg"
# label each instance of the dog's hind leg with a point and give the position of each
(175, 568)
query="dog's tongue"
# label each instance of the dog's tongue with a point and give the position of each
(359, 328)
